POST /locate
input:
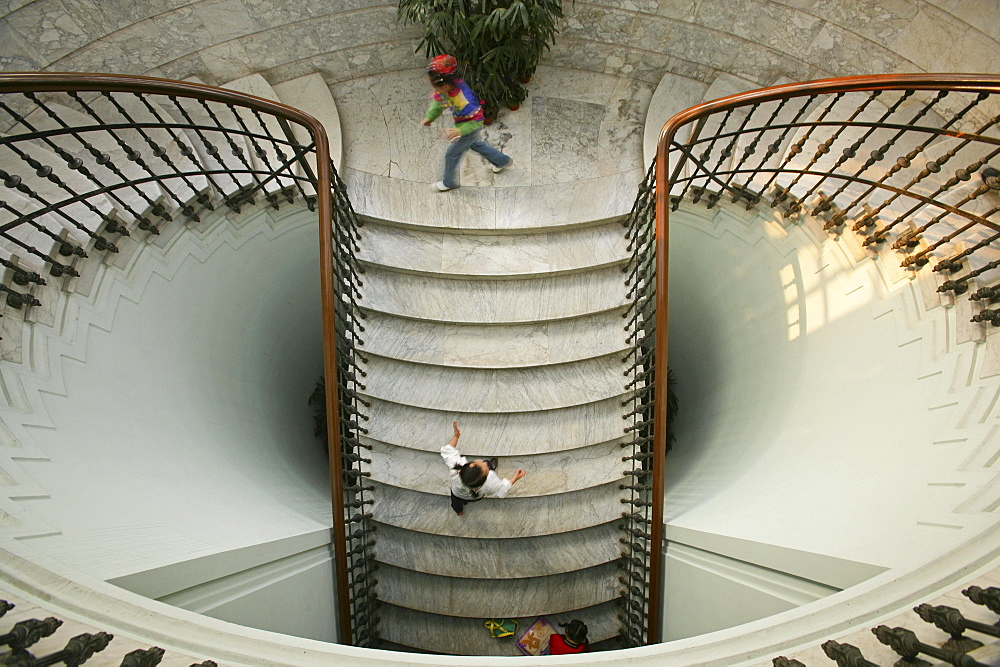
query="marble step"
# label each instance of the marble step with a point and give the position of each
(76, 218)
(266, 155)
(493, 301)
(503, 434)
(433, 253)
(495, 390)
(498, 598)
(213, 149)
(508, 517)
(184, 189)
(311, 94)
(558, 472)
(490, 346)
(468, 636)
(497, 558)
(103, 141)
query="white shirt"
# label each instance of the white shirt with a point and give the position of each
(495, 486)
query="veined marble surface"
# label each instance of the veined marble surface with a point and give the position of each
(495, 390)
(493, 301)
(435, 632)
(498, 598)
(490, 346)
(497, 434)
(558, 472)
(508, 517)
(482, 255)
(486, 558)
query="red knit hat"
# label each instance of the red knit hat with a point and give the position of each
(443, 64)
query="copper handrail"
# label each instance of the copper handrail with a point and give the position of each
(664, 183)
(68, 81)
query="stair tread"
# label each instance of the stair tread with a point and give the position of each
(456, 595)
(498, 558)
(467, 636)
(486, 346)
(502, 434)
(473, 255)
(425, 471)
(311, 94)
(508, 517)
(495, 390)
(494, 209)
(493, 301)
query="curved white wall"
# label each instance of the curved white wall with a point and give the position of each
(828, 417)
(185, 431)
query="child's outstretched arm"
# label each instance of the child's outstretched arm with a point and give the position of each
(458, 434)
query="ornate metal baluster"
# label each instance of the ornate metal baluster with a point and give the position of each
(15, 182)
(846, 655)
(188, 153)
(76, 164)
(212, 150)
(906, 644)
(160, 152)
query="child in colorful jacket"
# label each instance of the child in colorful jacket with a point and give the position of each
(451, 92)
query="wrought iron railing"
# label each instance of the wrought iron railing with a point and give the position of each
(91, 163)
(908, 163)
(958, 649)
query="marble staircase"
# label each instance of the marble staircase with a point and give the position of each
(519, 338)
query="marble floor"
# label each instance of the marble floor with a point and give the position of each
(574, 127)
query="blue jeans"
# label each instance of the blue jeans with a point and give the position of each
(457, 149)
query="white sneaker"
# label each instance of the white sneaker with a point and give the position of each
(497, 170)
(440, 187)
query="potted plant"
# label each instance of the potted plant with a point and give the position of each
(497, 42)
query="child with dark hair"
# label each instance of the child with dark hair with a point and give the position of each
(573, 639)
(472, 481)
(451, 92)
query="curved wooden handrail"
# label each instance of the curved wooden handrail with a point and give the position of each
(952, 82)
(22, 82)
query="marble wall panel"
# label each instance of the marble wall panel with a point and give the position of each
(8, 6)
(271, 13)
(15, 54)
(103, 17)
(225, 19)
(48, 29)
(143, 46)
(597, 24)
(565, 140)
(983, 15)
(295, 41)
(936, 42)
(881, 21)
